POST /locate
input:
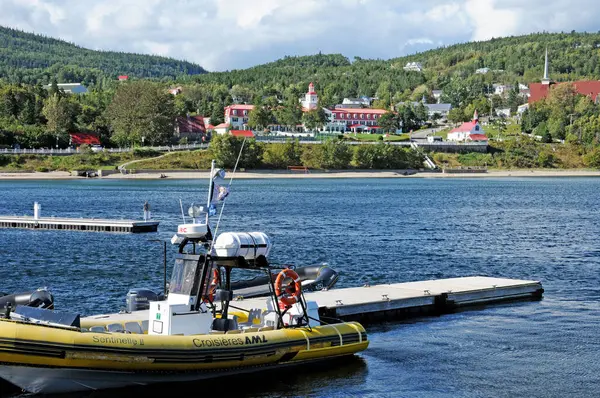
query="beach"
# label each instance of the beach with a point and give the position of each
(261, 174)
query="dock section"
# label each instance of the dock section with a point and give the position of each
(372, 304)
(78, 224)
(381, 303)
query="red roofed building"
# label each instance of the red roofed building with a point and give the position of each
(77, 139)
(538, 91)
(468, 131)
(191, 127)
(123, 77)
(589, 88)
(237, 115)
(311, 99)
(242, 133)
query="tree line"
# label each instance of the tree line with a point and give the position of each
(31, 58)
(333, 154)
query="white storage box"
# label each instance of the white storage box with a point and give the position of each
(246, 244)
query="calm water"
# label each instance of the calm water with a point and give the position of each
(374, 231)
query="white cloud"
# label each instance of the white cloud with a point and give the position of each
(227, 34)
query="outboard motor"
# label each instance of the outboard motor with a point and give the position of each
(139, 299)
(40, 298)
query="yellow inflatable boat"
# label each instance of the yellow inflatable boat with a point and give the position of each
(181, 338)
(193, 332)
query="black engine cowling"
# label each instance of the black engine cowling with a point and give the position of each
(41, 298)
(139, 299)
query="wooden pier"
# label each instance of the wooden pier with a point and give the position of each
(377, 303)
(78, 224)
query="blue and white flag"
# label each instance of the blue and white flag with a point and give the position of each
(212, 210)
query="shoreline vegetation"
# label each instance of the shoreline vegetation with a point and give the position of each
(277, 174)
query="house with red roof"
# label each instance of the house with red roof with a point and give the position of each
(468, 131)
(77, 139)
(190, 127)
(123, 77)
(236, 115)
(242, 133)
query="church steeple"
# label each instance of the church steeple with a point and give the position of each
(546, 79)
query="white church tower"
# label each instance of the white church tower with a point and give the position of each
(546, 79)
(311, 99)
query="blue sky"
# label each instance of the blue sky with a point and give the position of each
(231, 34)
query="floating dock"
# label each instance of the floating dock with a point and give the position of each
(381, 303)
(377, 303)
(78, 224)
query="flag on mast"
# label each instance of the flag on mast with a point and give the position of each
(219, 190)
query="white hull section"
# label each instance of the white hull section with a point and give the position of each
(46, 380)
(42, 380)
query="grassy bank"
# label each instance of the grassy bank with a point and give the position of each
(516, 152)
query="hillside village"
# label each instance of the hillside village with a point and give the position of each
(357, 115)
(476, 97)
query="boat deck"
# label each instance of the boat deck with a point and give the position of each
(377, 303)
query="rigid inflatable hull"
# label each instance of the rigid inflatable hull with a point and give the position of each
(42, 359)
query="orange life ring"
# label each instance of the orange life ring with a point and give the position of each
(212, 288)
(288, 295)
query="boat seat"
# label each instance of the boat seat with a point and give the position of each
(236, 331)
(98, 329)
(225, 324)
(134, 327)
(255, 317)
(115, 327)
(250, 330)
(217, 332)
(265, 328)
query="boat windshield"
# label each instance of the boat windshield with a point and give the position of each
(183, 278)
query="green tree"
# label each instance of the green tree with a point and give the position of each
(389, 122)
(141, 109)
(58, 113)
(314, 119)
(281, 155)
(226, 148)
(217, 115)
(260, 117)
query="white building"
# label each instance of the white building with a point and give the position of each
(502, 89)
(469, 131)
(432, 109)
(437, 95)
(362, 101)
(522, 108)
(70, 88)
(237, 116)
(502, 112)
(482, 71)
(311, 99)
(413, 67)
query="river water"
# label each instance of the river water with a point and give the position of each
(372, 231)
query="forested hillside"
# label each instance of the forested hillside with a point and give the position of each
(31, 58)
(512, 59)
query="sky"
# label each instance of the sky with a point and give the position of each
(232, 34)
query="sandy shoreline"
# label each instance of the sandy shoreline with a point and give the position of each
(260, 174)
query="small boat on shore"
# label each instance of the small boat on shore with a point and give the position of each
(193, 333)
